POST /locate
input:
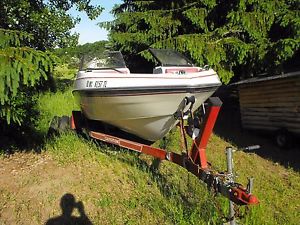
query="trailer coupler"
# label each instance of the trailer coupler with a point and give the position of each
(223, 183)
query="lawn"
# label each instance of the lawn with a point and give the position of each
(115, 186)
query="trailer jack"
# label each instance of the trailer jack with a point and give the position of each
(194, 160)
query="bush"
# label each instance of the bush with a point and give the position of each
(63, 71)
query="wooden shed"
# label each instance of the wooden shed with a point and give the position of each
(271, 104)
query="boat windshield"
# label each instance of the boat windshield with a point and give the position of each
(105, 60)
(168, 57)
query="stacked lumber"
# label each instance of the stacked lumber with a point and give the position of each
(271, 104)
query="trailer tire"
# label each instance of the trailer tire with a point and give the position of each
(59, 125)
(64, 124)
(283, 139)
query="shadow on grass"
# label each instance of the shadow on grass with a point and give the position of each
(20, 139)
(228, 126)
(27, 138)
(68, 204)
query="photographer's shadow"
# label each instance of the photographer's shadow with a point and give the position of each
(68, 204)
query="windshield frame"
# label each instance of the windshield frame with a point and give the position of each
(116, 63)
(156, 53)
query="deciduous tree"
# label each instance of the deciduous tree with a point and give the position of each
(245, 37)
(49, 22)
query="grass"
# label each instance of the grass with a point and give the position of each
(160, 197)
(54, 104)
(121, 187)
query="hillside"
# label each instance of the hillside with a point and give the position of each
(120, 187)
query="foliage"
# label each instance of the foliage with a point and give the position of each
(48, 21)
(245, 37)
(21, 70)
(71, 55)
(62, 71)
(28, 29)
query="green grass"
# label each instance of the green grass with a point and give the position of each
(173, 196)
(120, 187)
(168, 196)
(54, 104)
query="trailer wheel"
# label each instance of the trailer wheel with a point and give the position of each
(283, 139)
(59, 125)
(64, 124)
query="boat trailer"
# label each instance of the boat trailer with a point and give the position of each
(193, 160)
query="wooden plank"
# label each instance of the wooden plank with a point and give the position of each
(256, 93)
(270, 126)
(275, 114)
(270, 104)
(288, 91)
(293, 109)
(279, 119)
(278, 124)
(269, 92)
(274, 99)
(269, 95)
(268, 87)
(269, 84)
(259, 127)
(272, 115)
(292, 80)
(269, 129)
(294, 121)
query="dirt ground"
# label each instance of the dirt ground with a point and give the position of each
(36, 189)
(25, 181)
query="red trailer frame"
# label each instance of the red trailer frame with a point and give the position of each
(194, 161)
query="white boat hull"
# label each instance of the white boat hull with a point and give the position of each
(141, 104)
(148, 116)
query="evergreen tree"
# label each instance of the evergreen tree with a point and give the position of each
(245, 37)
(21, 71)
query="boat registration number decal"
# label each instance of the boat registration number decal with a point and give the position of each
(96, 84)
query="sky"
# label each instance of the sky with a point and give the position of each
(88, 30)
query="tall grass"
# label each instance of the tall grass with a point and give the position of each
(54, 104)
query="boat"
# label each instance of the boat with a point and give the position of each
(144, 105)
